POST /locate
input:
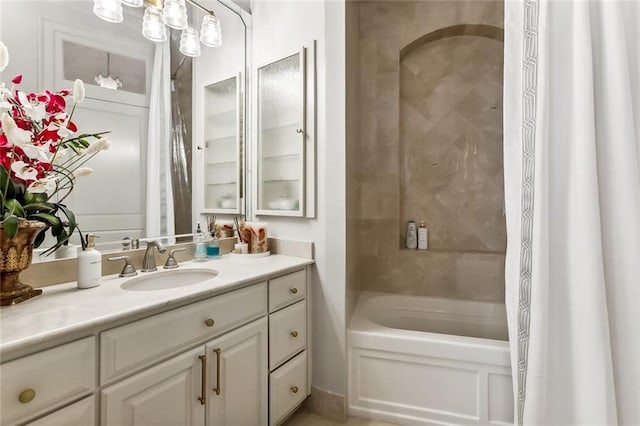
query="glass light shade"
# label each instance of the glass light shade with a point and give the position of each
(210, 33)
(189, 42)
(175, 14)
(132, 3)
(109, 10)
(153, 27)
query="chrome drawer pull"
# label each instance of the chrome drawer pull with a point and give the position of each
(294, 290)
(294, 389)
(209, 322)
(26, 396)
(294, 334)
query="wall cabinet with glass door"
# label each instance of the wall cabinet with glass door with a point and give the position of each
(283, 159)
(221, 152)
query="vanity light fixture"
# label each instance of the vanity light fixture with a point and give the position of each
(108, 81)
(159, 15)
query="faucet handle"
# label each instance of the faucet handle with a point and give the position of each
(171, 262)
(128, 270)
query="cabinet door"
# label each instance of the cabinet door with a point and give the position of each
(280, 178)
(223, 147)
(167, 394)
(237, 385)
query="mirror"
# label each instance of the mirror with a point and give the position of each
(140, 188)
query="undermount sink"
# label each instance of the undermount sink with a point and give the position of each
(168, 279)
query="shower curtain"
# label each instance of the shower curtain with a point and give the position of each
(159, 200)
(572, 193)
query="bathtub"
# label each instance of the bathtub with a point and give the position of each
(425, 360)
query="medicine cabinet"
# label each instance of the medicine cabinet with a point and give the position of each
(222, 151)
(284, 154)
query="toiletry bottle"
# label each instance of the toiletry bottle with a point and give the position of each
(423, 236)
(213, 249)
(89, 265)
(201, 247)
(412, 237)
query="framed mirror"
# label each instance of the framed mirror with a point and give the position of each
(140, 188)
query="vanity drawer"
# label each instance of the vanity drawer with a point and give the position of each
(81, 413)
(287, 333)
(134, 346)
(287, 289)
(47, 379)
(287, 388)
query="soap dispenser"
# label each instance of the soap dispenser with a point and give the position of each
(89, 264)
(423, 236)
(200, 254)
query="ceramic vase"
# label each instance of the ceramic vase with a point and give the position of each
(15, 256)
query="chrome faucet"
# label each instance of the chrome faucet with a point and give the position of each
(149, 260)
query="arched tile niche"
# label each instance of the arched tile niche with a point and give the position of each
(450, 153)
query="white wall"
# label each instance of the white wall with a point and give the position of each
(281, 28)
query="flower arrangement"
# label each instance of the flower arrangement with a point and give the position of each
(41, 155)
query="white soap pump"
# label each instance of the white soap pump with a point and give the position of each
(89, 264)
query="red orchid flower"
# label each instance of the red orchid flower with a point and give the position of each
(17, 79)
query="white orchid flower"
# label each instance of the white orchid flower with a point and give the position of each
(78, 91)
(15, 134)
(24, 171)
(4, 56)
(34, 109)
(4, 107)
(83, 171)
(4, 92)
(46, 184)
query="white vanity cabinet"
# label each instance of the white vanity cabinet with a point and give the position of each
(238, 358)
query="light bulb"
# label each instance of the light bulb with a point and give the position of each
(132, 3)
(152, 25)
(210, 34)
(175, 14)
(189, 43)
(109, 10)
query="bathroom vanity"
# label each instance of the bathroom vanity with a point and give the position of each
(230, 349)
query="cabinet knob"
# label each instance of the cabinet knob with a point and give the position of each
(294, 334)
(294, 389)
(26, 395)
(294, 290)
(299, 131)
(199, 148)
(209, 322)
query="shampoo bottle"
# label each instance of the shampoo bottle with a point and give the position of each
(89, 264)
(423, 236)
(412, 237)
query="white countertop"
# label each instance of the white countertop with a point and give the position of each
(64, 309)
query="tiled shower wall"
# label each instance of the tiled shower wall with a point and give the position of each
(428, 145)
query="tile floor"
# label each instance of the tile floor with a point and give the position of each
(303, 417)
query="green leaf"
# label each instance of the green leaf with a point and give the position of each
(32, 198)
(6, 184)
(47, 218)
(14, 207)
(11, 226)
(39, 239)
(40, 207)
(71, 219)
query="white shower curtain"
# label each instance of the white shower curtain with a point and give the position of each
(572, 190)
(159, 205)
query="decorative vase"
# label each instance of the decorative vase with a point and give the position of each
(15, 256)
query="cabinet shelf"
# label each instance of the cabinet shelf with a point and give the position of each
(220, 163)
(276, 156)
(281, 180)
